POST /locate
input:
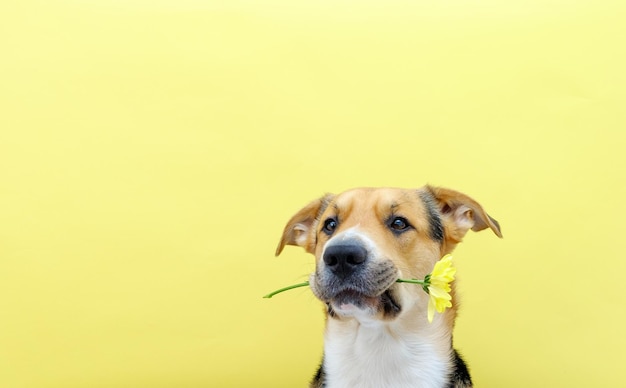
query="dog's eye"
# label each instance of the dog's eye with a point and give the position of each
(330, 225)
(399, 224)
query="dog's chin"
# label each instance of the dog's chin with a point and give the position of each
(351, 299)
(351, 303)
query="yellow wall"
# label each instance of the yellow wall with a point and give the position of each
(151, 152)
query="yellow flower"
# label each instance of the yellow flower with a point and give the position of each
(439, 286)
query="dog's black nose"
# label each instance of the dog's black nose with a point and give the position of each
(344, 259)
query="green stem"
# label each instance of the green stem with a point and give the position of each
(286, 289)
(424, 283)
(414, 281)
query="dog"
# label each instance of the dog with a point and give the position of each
(377, 333)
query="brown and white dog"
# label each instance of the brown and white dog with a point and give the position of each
(377, 333)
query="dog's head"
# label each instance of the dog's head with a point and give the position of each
(365, 239)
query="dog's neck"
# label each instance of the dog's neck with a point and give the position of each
(360, 351)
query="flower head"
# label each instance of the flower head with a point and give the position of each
(438, 286)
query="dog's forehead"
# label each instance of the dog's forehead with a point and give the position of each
(363, 201)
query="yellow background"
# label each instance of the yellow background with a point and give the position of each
(152, 151)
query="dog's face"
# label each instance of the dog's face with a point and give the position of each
(365, 239)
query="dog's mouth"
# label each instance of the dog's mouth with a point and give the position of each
(355, 298)
(370, 291)
(350, 302)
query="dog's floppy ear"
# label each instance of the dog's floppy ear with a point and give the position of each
(461, 213)
(301, 227)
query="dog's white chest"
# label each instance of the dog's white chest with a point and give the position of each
(372, 356)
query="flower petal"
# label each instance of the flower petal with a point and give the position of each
(431, 310)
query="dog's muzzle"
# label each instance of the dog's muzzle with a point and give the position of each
(349, 275)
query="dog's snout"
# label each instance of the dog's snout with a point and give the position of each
(344, 259)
